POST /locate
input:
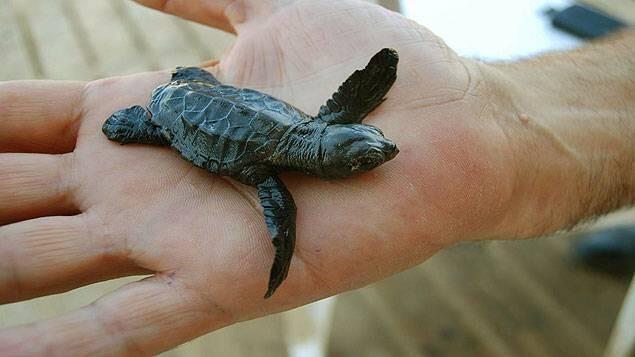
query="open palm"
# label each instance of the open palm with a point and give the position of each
(107, 210)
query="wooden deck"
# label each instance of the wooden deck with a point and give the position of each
(488, 299)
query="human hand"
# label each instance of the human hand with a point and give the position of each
(107, 210)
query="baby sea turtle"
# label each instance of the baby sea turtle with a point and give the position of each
(252, 137)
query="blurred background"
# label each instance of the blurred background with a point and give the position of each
(527, 298)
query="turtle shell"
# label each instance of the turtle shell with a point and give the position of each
(222, 128)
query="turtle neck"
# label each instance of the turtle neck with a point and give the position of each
(299, 148)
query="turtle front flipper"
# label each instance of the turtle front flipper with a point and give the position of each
(194, 73)
(279, 212)
(133, 125)
(363, 91)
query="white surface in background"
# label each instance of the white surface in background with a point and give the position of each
(307, 328)
(492, 29)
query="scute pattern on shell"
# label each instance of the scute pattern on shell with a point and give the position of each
(234, 124)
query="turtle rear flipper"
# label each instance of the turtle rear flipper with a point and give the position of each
(279, 212)
(133, 125)
(194, 73)
(363, 91)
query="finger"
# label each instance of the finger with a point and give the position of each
(226, 15)
(35, 185)
(55, 254)
(211, 13)
(141, 318)
(39, 116)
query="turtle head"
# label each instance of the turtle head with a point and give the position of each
(347, 150)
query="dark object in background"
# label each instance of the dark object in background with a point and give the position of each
(585, 22)
(611, 250)
(252, 137)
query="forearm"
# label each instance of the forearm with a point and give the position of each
(571, 125)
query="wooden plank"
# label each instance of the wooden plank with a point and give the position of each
(115, 49)
(407, 343)
(357, 331)
(181, 42)
(490, 292)
(127, 38)
(78, 30)
(558, 317)
(136, 34)
(574, 286)
(54, 44)
(475, 312)
(420, 313)
(19, 57)
(153, 34)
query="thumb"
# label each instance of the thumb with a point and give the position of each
(226, 15)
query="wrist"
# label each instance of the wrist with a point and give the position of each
(571, 133)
